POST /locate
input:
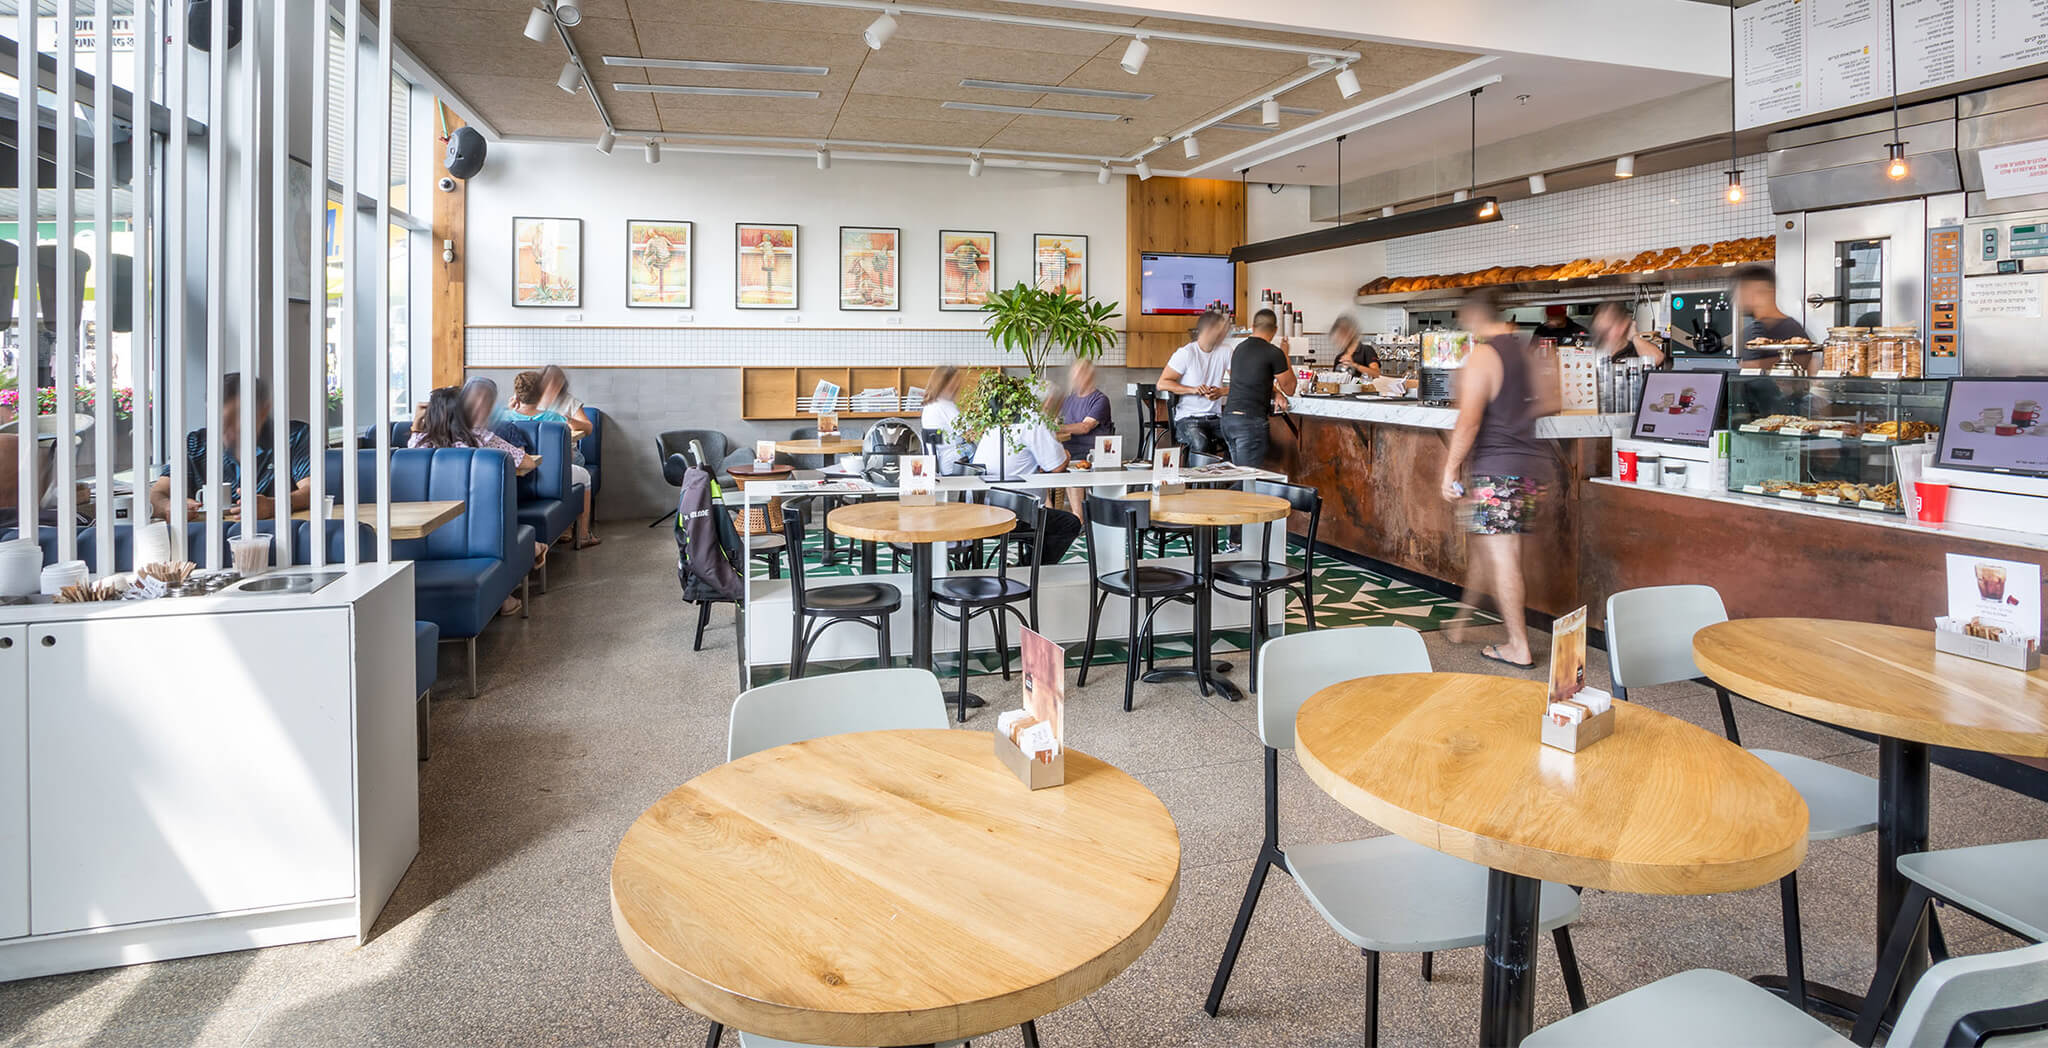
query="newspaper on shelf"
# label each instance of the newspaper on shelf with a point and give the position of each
(1217, 471)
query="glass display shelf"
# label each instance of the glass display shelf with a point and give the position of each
(1827, 440)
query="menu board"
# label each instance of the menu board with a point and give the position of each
(1797, 58)
(1995, 424)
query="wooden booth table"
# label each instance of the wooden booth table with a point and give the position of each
(1205, 510)
(919, 527)
(1890, 682)
(409, 520)
(818, 446)
(891, 888)
(1453, 762)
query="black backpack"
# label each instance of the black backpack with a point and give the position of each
(709, 557)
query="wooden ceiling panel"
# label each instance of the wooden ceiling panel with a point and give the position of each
(903, 83)
(788, 45)
(991, 63)
(767, 114)
(973, 123)
(902, 129)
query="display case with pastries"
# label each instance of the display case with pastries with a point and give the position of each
(1660, 263)
(1826, 440)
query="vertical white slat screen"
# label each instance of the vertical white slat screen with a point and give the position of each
(142, 341)
(249, 479)
(316, 284)
(216, 275)
(352, 248)
(68, 291)
(280, 262)
(104, 288)
(177, 70)
(28, 154)
(381, 238)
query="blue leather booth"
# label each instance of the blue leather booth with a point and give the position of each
(592, 447)
(547, 501)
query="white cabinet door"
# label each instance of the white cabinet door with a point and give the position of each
(185, 765)
(13, 782)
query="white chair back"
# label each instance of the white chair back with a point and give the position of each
(1649, 632)
(1961, 985)
(833, 704)
(1296, 666)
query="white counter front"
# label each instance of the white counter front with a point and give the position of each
(1425, 416)
(1806, 508)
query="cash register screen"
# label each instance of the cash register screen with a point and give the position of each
(1680, 407)
(1995, 424)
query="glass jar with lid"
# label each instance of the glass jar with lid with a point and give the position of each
(1846, 352)
(1895, 351)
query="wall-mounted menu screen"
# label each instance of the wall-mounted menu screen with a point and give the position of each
(1680, 407)
(1798, 58)
(1995, 424)
(1185, 284)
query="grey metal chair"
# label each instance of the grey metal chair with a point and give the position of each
(1381, 894)
(1649, 642)
(716, 447)
(1963, 1001)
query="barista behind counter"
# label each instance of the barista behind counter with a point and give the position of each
(1756, 297)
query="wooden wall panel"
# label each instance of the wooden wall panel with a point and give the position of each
(1192, 215)
(450, 284)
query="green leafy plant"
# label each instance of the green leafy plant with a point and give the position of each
(1001, 400)
(1036, 322)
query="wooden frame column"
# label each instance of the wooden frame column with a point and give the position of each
(1199, 216)
(450, 285)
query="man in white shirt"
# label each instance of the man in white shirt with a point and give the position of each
(1198, 374)
(1024, 449)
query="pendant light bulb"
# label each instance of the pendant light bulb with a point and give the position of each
(1134, 55)
(879, 31)
(606, 141)
(1269, 112)
(1191, 147)
(824, 160)
(1144, 170)
(1735, 187)
(1347, 82)
(1895, 170)
(539, 24)
(1102, 176)
(1486, 210)
(1625, 166)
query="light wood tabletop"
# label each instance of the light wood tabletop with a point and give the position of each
(1886, 680)
(527, 465)
(1214, 508)
(891, 521)
(409, 520)
(1453, 761)
(815, 446)
(891, 888)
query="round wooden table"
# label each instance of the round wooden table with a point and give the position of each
(1454, 762)
(1890, 682)
(919, 527)
(818, 446)
(891, 888)
(1206, 509)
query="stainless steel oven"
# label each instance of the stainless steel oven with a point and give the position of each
(1865, 267)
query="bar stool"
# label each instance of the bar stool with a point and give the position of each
(993, 595)
(1146, 587)
(1261, 578)
(868, 603)
(1149, 424)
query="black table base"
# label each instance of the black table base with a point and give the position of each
(1204, 671)
(1507, 1004)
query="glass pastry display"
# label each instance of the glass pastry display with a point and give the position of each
(1826, 440)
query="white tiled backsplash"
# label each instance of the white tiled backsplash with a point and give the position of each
(572, 346)
(1672, 209)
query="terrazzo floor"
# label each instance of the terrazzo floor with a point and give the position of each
(500, 933)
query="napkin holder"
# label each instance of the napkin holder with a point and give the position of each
(2015, 655)
(1572, 738)
(1035, 775)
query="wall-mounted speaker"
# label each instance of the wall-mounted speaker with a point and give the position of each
(466, 149)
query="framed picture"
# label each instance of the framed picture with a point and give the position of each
(1059, 261)
(547, 262)
(868, 268)
(764, 266)
(658, 263)
(967, 268)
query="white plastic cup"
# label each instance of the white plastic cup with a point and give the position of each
(21, 567)
(64, 573)
(251, 554)
(326, 507)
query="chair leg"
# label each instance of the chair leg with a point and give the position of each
(526, 596)
(658, 522)
(1030, 1032)
(1884, 984)
(796, 647)
(1937, 944)
(717, 1029)
(964, 617)
(1308, 599)
(469, 647)
(775, 565)
(1002, 628)
(1088, 650)
(1258, 635)
(1237, 930)
(1131, 655)
(1795, 946)
(703, 620)
(884, 654)
(1372, 998)
(1428, 965)
(1568, 963)
(1728, 716)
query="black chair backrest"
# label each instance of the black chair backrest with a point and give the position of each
(1303, 499)
(673, 469)
(1131, 516)
(793, 533)
(715, 446)
(1030, 512)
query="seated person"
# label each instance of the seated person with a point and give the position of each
(299, 440)
(478, 401)
(447, 425)
(1197, 375)
(1023, 449)
(528, 388)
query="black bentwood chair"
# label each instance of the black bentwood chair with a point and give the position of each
(993, 595)
(1261, 578)
(813, 610)
(1145, 589)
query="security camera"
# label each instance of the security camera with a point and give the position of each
(447, 184)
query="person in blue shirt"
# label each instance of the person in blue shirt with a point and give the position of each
(299, 451)
(528, 390)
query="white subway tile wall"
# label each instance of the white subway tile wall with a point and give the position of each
(575, 346)
(1672, 209)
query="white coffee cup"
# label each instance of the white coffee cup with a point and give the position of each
(21, 567)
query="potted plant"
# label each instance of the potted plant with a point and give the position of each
(1035, 322)
(998, 402)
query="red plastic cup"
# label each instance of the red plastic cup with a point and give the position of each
(1933, 499)
(1628, 466)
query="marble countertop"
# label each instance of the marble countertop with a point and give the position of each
(1425, 416)
(1999, 536)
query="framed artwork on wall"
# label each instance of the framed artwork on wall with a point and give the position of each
(1059, 261)
(547, 262)
(868, 268)
(764, 266)
(967, 268)
(658, 263)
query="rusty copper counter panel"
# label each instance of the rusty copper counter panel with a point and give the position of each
(1381, 500)
(1768, 562)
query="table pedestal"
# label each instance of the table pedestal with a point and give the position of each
(1507, 1002)
(1204, 670)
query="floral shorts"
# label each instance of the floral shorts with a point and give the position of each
(1502, 505)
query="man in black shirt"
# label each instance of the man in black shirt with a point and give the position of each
(1756, 295)
(1258, 373)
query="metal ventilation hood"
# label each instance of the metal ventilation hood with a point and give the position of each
(1477, 211)
(1842, 164)
(1999, 117)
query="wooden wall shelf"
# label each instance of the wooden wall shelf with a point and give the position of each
(772, 393)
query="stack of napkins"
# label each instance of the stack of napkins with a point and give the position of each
(1584, 703)
(1032, 737)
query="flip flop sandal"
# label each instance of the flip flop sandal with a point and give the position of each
(1488, 653)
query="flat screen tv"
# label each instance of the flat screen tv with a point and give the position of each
(1185, 285)
(1995, 425)
(1680, 407)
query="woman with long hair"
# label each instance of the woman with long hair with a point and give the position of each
(446, 425)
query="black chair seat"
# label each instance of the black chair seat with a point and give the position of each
(1258, 573)
(1152, 582)
(853, 598)
(979, 589)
